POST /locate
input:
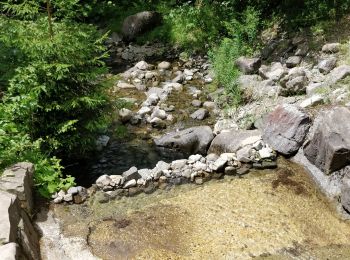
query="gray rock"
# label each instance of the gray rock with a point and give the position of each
(170, 86)
(196, 103)
(131, 174)
(212, 157)
(266, 153)
(144, 110)
(337, 74)
(103, 181)
(199, 166)
(163, 166)
(158, 123)
(10, 251)
(244, 154)
(152, 100)
(225, 125)
(58, 200)
(275, 72)
(146, 174)
(331, 47)
(328, 146)
(178, 164)
(164, 65)
(73, 190)
(125, 115)
(313, 88)
(161, 93)
(326, 65)
(191, 140)
(158, 113)
(102, 141)
(285, 129)
(117, 179)
(194, 158)
(293, 61)
(248, 65)
(200, 114)
(209, 105)
(139, 23)
(312, 101)
(68, 197)
(231, 142)
(295, 86)
(130, 184)
(135, 120)
(124, 85)
(219, 164)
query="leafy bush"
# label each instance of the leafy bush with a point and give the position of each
(54, 102)
(242, 40)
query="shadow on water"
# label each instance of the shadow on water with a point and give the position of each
(118, 157)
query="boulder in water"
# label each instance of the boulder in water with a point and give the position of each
(191, 140)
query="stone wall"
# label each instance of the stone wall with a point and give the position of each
(18, 237)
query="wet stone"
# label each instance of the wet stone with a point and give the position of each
(133, 191)
(242, 171)
(149, 188)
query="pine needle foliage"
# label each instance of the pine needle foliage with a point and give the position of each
(54, 103)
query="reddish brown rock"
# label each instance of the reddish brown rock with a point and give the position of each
(285, 129)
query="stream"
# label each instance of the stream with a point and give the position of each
(266, 214)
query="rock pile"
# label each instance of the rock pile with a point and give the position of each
(196, 169)
(159, 82)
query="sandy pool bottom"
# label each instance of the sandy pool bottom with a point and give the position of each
(264, 215)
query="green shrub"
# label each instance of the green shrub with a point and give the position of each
(55, 103)
(243, 33)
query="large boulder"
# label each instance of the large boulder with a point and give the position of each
(139, 23)
(232, 141)
(285, 129)
(191, 140)
(328, 146)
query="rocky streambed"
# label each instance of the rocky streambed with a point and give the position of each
(238, 197)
